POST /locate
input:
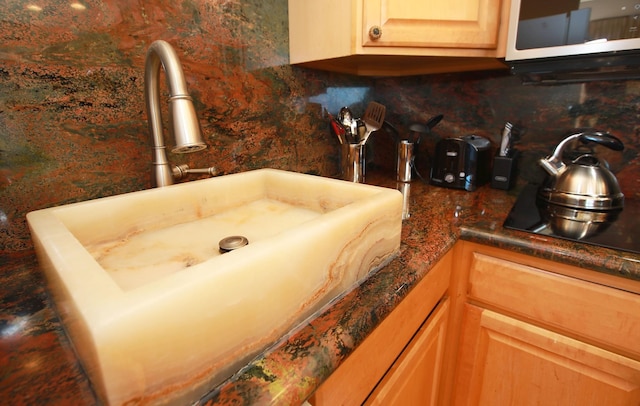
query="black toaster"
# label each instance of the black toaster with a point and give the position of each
(462, 163)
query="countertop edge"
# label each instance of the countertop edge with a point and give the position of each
(605, 260)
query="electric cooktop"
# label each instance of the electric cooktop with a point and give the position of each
(619, 230)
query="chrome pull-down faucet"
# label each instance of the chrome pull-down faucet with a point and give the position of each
(183, 122)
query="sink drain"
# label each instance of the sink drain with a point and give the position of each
(231, 243)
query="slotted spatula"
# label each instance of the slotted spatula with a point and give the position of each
(373, 118)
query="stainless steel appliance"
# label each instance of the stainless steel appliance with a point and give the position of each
(566, 39)
(617, 229)
(580, 200)
(462, 163)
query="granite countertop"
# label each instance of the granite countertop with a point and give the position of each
(38, 364)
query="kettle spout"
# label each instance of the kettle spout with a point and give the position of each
(551, 165)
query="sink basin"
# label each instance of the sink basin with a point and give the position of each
(157, 314)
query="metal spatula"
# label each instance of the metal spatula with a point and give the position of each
(373, 118)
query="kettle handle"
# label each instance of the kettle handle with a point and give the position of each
(602, 138)
(553, 164)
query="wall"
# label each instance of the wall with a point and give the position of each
(72, 118)
(73, 125)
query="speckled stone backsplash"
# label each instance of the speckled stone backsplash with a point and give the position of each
(481, 103)
(73, 125)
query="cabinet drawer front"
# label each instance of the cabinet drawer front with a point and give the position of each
(607, 316)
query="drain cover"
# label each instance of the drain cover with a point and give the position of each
(231, 243)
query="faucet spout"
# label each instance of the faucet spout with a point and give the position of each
(183, 122)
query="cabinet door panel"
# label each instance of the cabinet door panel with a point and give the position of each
(414, 378)
(585, 309)
(434, 23)
(508, 362)
(357, 377)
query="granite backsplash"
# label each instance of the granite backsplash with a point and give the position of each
(73, 125)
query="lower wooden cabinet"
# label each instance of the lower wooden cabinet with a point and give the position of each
(536, 332)
(505, 361)
(487, 326)
(399, 362)
(414, 379)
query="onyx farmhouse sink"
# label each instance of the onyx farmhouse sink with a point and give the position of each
(158, 314)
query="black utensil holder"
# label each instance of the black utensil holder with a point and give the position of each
(505, 170)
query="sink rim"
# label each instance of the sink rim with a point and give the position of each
(66, 238)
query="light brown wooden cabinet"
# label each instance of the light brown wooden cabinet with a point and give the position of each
(414, 379)
(487, 326)
(456, 24)
(536, 332)
(398, 37)
(399, 362)
(506, 361)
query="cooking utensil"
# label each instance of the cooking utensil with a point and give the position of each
(338, 129)
(345, 117)
(433, 121)
(361, 130)
(424, 128)
(392, 130)
(586, 183)
(373, 119)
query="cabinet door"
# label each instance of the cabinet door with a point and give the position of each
(414, 378)
(353, 381)
(433, 23)
(504, 361)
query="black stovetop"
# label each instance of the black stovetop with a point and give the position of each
(622, 232)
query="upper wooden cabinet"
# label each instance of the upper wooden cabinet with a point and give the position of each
(398, 37)
(436, 23)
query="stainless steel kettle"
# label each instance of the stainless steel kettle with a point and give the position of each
(585, 183)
